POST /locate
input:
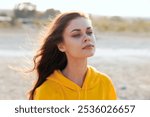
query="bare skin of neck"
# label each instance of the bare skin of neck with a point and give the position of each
(76, 71)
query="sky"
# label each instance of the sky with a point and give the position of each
(129, 8)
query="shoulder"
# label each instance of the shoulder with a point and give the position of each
(47, 91)
(100, 76)
(105, 82)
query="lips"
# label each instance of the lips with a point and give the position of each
(88, 46)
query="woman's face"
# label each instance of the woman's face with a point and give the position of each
(79, 40)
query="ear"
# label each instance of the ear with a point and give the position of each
(61, 47)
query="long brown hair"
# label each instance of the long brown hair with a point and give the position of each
(49, 58)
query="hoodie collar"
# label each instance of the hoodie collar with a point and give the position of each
(89, 82)
(61, 79)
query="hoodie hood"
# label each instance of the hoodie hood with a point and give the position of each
(90, 81)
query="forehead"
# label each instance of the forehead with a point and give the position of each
(79, 23)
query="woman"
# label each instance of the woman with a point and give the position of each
(61, 63)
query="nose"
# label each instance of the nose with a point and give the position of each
(86, 38)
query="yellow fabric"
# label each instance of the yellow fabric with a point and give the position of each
(96, 86)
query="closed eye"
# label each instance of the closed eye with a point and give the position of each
(76, 35)
(89, 33)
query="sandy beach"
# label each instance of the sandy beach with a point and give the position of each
(125, 58)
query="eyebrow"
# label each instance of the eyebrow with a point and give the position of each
(80, 30)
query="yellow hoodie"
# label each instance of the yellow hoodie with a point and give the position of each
(96, 86)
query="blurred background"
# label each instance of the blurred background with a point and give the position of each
(122, 30)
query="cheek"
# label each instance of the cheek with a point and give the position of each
(73, 46)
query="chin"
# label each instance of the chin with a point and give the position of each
(90, 54)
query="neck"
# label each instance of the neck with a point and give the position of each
(76, 71)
